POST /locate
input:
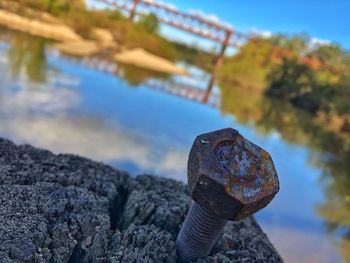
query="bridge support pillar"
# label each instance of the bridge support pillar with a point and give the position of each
(220, 57)
(133, 9)
(217, 63)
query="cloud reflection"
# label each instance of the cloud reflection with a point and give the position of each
(45, 117)
(92, 138)
(301, 246)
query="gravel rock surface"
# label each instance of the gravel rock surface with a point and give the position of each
(65, 208)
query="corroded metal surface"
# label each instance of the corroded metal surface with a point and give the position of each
(199, 233)
(230, 175)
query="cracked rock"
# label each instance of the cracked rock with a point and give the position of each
(65, 208)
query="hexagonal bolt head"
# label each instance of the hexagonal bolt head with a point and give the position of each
(230, 175)
(229, 178)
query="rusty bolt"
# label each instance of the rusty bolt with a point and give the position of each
(229, 178)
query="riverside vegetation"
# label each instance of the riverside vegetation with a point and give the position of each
(257, 65)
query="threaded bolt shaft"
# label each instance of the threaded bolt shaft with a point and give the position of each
(199, 233)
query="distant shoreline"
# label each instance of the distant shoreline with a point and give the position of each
(73, 44)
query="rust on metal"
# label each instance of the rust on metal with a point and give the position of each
(231, 175)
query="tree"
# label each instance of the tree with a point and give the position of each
(254, 62)
(296, 43)
(61, 6)
(312, 90)
(250, 67)
(149, 23)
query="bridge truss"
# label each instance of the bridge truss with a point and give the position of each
(190, 22)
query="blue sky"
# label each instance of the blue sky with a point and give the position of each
(329, 20)
(321, 19)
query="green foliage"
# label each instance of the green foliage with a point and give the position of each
(296, 43)
(344, 248)
(297, 126)
(273, 66)
(55, 6)
(314, 90)
(142, 34)
(342, 96)
(331, 54)
(297, 83)
(133, 36)
(322, 122)
(249, 67)
(24, 53)
(136, 76)
(244, 104)
(254, 62)
(149, 23)
(115, 15)
(194, 56)
(84, 21)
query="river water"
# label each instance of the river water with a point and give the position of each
(61, 104)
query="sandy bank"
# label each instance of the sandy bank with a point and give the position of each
(78, 48)
(103, 40)
(141, 58)
(36, 27)
(74, 44)
(104, 37)
(65, 208)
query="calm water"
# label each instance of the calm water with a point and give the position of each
(57, 103)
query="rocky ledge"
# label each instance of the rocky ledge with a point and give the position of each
(65, 208)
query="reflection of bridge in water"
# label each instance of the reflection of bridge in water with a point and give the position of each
(185, 91)
(193, 23)
(188, 92)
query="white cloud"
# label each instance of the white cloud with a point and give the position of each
(260, 33)
(316, 42)
(41, 115)
(170, 6)
(201, 14)
(91, 137)
(211, 17)
(46, 100)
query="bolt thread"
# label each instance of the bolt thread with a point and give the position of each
(199, 233)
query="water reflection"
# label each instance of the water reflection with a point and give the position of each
(330, 152)
(53, 103)
(136, 76)
(27, 53)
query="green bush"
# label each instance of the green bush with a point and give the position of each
(149, 23)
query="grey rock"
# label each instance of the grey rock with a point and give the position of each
(164, 203)
(26, 165)
(159, 201)
(145, 243)
(243, 241)
(65, 208)
(47, 221)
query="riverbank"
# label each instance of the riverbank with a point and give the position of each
(70, 42)
(37, 27)
(65, 208)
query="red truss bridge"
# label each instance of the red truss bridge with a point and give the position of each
(190, 22)
(202, 26)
